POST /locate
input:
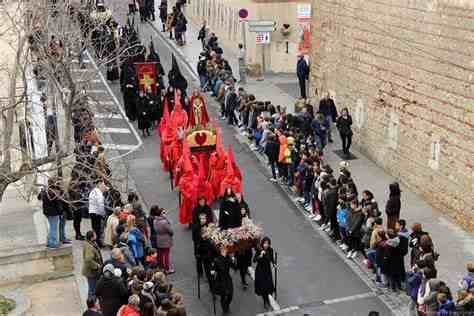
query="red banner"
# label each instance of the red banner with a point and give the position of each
(146, 73)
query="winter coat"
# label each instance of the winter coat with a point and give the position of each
(395, 266)
(52, 204)
(302, 69)
(330, 200)
(446, 308)
(110, 232)
(429, 296)
(112, 294)
(136, 242)
(164, 232)
(128, 310)
(342, 217)
(414, 280)
(92, 260)
(393, 206)
(328, 108)
(128, 255)
(467, 281)
(344, 125)
(263, 272)
(121, 265)
(380, 254)
(355, 220)
(222, 284)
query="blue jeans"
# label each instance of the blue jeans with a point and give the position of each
(55, 223)
(91, 285)
(203, 80)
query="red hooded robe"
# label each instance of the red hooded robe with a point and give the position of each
(231, 178)
(217, 165)
(187, 188)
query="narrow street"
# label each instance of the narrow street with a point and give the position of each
(312, 277)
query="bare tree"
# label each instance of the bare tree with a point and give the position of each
(41, 40)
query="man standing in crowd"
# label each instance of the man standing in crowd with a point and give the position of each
(302, 72)
(53, 209)
(328, 108)
(97, 209)
(242, 56)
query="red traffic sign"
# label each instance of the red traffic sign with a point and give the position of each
(243, 13)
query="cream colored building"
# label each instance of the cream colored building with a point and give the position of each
(223, 19)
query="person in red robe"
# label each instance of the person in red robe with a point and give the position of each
(165, 133)
(232, 178)
(179, 117)
(217, 165)
(187, 188)
(203, 186)
(198, 115)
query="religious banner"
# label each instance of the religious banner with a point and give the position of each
(146, 73)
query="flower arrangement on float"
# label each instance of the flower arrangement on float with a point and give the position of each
(234, 239)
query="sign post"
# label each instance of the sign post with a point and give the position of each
(243, 14)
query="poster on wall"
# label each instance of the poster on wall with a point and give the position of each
(303, 24)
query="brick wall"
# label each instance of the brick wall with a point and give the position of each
(405, 69)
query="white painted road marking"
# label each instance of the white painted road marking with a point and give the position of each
(96, 91)
(121, 147)
(140, 142)
(281, 311)
(349, 298)
(85, 61)
(108, 116)
(116, 130)
(97, 102)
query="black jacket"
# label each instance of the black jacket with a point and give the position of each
(222, 284)
(263, 272)
(344, 125)
(272, 149)
(355, 219)
(198, 210)
(330, 201)
(328, 108)
(112, 294)
(52, 203)
(302, 69)
(393, 206)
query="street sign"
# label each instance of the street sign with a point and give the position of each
(243, 14)
(262, 38)
(261, 26)
(303, 11)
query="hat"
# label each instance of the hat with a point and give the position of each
(148, 286)
(108, 268)
(291, 140)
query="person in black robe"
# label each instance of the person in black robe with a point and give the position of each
(229, 212)
(154, 106)
(130, 96)
(143, 109)
(222, 284)
(163, 14)
(150, 8)
(244, 256)
(153, 56)
(176, 79)
(169, 95)
(203, 248)
(265, 258)
(202, 208)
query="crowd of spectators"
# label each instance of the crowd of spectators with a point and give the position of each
(294, 145)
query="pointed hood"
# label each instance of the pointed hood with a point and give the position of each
(219, 148)
(175, 78)
(187, 164)
(165, 119)
(233, 164)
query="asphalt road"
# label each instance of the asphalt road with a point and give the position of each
(311, 275)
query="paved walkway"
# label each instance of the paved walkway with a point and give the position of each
(456, 246)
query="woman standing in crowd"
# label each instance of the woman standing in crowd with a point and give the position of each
(136, 239)
(343, 124)
(265, 258)
(393, 206)
(164, 240)
(154, 213)
(91, 262)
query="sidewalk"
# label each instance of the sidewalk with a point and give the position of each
(456, 246)
(190, 52)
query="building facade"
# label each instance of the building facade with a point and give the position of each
(405, 70)
(285, 44)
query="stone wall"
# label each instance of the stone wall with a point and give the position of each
(405, 70)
